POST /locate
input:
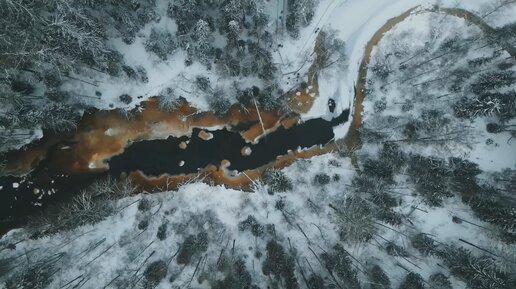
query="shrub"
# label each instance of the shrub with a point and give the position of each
(379, 169)
(392, 155)
(251, 224)
(168, 99)
(395, 250)
(389, 216)
(380, 106)
(440, 281)
(412, 281)
(316, 282)
(277, 181)
(143, 224)
(322, 179)
(162, 232)
(494, 127)
(191, 246)
(219, 103)
(202, 83)
(130, 72)
(378, 278)
(125, 98)
(154, 273)
(161, 43)
(356, 221)
(381, 69)
(236, 275)
(407, 106)
(339, 263)
(144, 205)
(424, 244)
(430, 174)
(280, 264)
(142, 72)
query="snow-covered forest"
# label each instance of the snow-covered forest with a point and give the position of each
(60, 58)
(417, 190)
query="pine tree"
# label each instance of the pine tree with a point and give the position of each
(202, 39)
(378, 278)
(339, 263)
(412, 281)
(440, 281)
(279, 264)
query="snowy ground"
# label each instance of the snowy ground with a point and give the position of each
(305, 221)
(492, 152)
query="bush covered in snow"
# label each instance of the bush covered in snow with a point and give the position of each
(161, 43)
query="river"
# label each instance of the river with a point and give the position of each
(60, 165)
(54, 178)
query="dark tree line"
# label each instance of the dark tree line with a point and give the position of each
(45, 43)
(300, 13)
(487, 98)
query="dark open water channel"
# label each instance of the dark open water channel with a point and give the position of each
(155, 158)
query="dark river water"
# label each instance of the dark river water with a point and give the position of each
(21, 196)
